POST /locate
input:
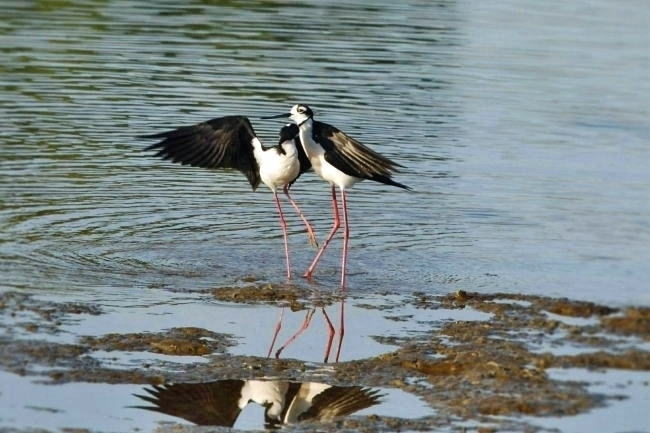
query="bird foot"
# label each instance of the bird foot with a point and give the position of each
(307, 275)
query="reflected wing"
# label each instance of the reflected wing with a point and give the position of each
(224, 142)
(340, 401)
(214, 403)
(352, 157)
(291, 132)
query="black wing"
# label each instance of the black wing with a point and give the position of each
(214, 403)
(340, 401)
(352, 157)
(291, 132)
(224, 142)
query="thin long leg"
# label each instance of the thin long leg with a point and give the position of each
(341, 330)
(283, 224)
(335, 227)
(346, 239)
(330, 335)
(278, 326)
(311, 235)
(305, 325)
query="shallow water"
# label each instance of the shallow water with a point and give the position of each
(251, 327)
(374, 326)
(621, 414)
(523, 129)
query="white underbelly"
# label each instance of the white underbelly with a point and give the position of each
(333, 175)
(280, 172)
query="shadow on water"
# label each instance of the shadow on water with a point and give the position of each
(306, 323)
(284, 402)
(217, 403)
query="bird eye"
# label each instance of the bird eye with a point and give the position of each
(301, 110)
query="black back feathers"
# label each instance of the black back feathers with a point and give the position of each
(352, 157)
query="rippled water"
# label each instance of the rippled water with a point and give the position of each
(523, 128)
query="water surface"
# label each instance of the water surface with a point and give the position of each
(523, 128)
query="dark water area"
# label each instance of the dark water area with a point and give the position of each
(523, 130)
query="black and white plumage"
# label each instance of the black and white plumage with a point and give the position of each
(344, 154)
(341, 161)
(231, 142)
(221, 402)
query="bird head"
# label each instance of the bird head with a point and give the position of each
(300, 113)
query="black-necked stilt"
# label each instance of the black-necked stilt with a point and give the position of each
(342, 161)
(231, 142)
(220, 403)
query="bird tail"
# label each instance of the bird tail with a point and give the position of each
(388, 181)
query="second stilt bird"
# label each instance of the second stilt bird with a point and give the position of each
(342, 161)
(231, 142)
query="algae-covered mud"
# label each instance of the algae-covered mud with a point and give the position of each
(460, 362)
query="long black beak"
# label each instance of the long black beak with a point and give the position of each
(277, 117)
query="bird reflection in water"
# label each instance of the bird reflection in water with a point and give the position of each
(331, 331)
(220, 403)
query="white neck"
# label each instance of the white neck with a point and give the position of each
(312, 149)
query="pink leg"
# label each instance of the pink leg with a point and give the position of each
(335, 227)
(278, 326)
(283, 224)
(346, 239)
(342, 329)
(330, 335)
(310, 231)
(305, 325)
